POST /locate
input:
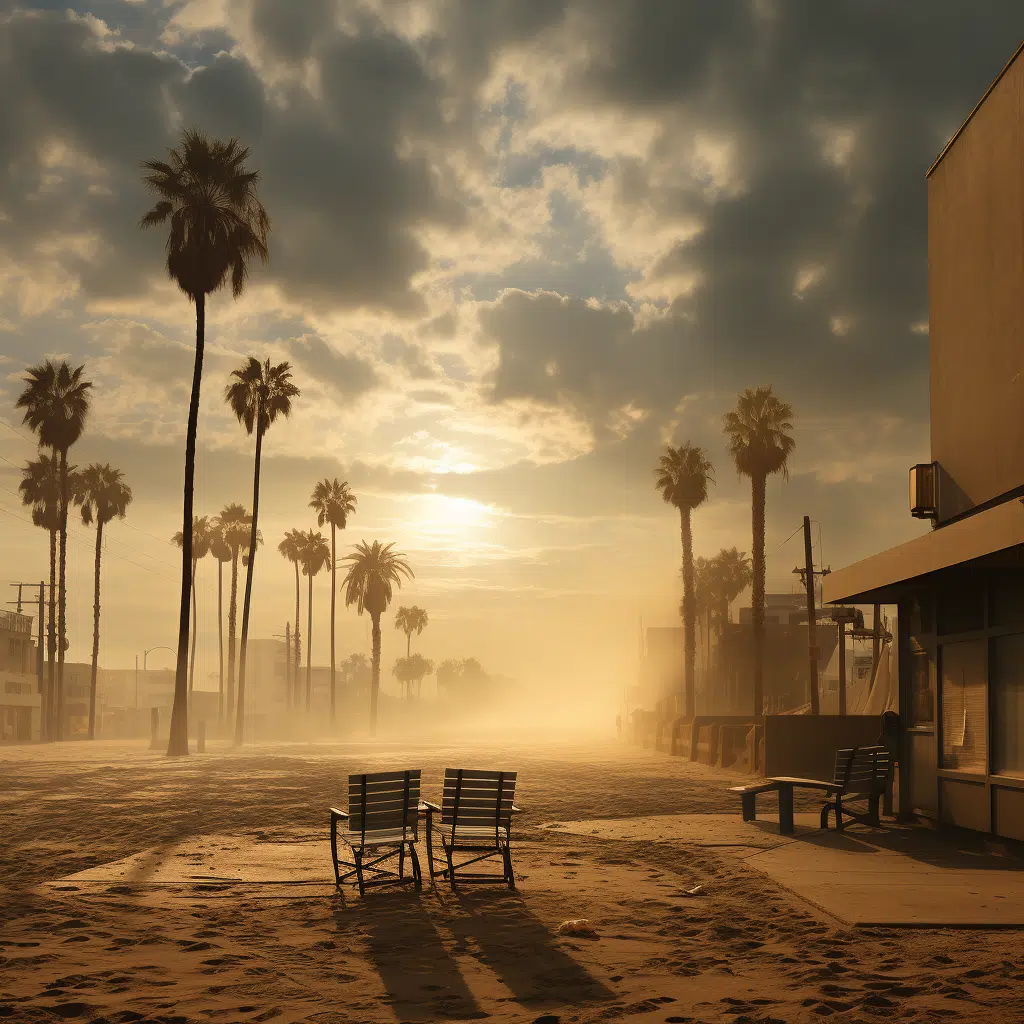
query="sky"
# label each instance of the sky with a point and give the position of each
(517, 247)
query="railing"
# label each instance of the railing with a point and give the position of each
(16, 622)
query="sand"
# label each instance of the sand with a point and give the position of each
(202, 894)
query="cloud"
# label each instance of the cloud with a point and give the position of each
(344, 375)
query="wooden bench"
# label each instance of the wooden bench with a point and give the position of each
(748, 797)
(861, 773)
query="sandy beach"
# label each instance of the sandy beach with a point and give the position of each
(208, 947)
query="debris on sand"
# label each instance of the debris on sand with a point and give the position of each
(581, 928)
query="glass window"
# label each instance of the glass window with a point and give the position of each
(1007, 680)
(964, 726)
(921, 693)
(922, 619)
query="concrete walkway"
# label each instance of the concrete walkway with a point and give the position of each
(896, 876)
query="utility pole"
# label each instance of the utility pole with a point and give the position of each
(288, 664)
(807, 574)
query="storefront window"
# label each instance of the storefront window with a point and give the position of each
(1007, 680)
(922, 696)
(964, 726)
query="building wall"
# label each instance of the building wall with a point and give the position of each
(976, 316)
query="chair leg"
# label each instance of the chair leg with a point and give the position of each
(839, 812)
(359, 871)
(334, 850)
(824, 814)
(510, 877)
(417, 874)
(448, 852)
(749, 807)
(786, 810)
(401, 862)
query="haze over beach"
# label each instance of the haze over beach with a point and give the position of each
(461, 447)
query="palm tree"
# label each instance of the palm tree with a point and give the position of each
(683, 475)
(355, 672)
(56, 403)
(334, 503)
(221, 550)
(217, 227)
(315, 555)
(201, 541)
(372, 572)
(760, 444)
(258, 395)
(732, 574)
(411, 620)
(412, 669)
(234, 524)
(104, 496)
(40, 489)
(291, 548)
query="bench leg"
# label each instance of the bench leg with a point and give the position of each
(839, 812)
(749, 806)
(786, 810)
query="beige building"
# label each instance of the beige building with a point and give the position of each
(20, 701)
(960, 588)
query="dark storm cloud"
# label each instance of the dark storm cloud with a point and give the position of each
(346, 375)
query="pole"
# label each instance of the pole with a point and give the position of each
(842, 666)
(136, 681)
(20, 585)
(812, 647)
(876, 638)
(40, 661)
(288, 664)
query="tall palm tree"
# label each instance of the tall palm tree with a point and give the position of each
(56, 403)
(291, 548)
(217, 227)
(201, 540)
(258, 394)
(235, 525)
(221, 550)
(732, 575)
(760, 444)
(40, 489)
(334, 503)
(104, 496)
(372, 573)
(411, 620)
(683, 475)
(315, 555)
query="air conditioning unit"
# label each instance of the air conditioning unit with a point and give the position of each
(924, 490)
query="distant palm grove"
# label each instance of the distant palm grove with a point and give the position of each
(206, 197)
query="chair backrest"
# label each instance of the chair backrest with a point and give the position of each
(861, 769)
(481, 799)
(384, 803)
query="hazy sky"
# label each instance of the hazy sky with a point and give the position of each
(518, 246)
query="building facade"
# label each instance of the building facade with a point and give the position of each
(960, 588)
(20, 701)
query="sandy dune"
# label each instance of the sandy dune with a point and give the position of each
(176, 933)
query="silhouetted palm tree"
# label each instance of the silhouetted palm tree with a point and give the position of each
(235, 525)
(201, 541)
(333, 503)
(372, 573)
(731, 573)
(258, 395)
(40, 489)
(291, 548)
(683, 475)
(315, 555)
(409, 620)
(104, 496)
(217, 227)
(221, 550)
(411, 670)
(56, 403)
(760, 444)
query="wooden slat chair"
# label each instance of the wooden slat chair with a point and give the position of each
(475, 817)
(383, 822)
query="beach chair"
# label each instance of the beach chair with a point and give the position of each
(475, 819)
(382, 823)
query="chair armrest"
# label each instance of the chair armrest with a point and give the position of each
(426, 805)
(335, 813)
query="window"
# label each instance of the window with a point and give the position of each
(921, 694)
(10, 687)
(964, 727)
(13, 648)
(1006, 672)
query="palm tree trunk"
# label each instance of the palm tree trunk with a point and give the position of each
(334, 587)
(309, 646)
(232, 622)
(51, 645)
(220, 638)
(62, 593)
(177, 745)
(297, 682)
(247, 600)
(408, 645)
(689, 649)
(195, 629)
(757, 487)
(95, 631)
(375, 675)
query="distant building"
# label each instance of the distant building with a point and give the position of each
(20, 701)
(960, 588)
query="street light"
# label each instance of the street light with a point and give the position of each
(145, 655)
